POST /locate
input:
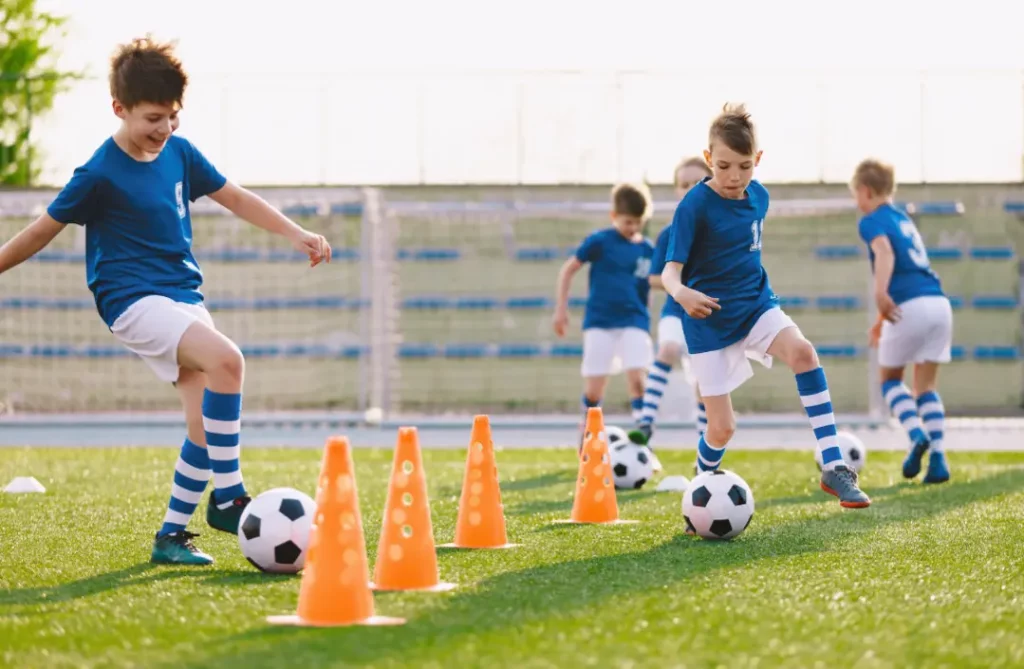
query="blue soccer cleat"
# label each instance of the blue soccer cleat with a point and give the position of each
(177, 548)
(938, 470)
(912, 464)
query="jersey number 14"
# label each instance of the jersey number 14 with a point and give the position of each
(757, 230)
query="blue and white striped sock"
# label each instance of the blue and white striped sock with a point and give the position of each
(637, 405)
(933, 415)
(191, 473)
(903, 407)
(222, 421)
(702, 419)
(814, 395)
(709, 457)
(654, 390)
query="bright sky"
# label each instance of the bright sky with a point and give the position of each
(403, 91)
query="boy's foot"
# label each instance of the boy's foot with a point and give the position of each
(912, 464)
(177, 548)
(938, 470)
(842, 482)
(226, 520)
(641, 434)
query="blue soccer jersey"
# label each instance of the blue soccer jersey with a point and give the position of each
(912, 275)
(618, 291)
(138, 230)
(718, 241)
(671, 308)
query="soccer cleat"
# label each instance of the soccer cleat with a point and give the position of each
(842, 482)
(912, 464)
(938, 470)
(226, 520)
(641, 434)
(177, 548)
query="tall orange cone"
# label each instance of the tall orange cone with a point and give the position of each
(595, 501)
(335, 588)
(406, 555)
(481, 521)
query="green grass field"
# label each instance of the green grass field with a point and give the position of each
(925, 577)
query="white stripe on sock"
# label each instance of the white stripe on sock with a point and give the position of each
(189, 496)
(822, 420)
(816, 399)
(191, 472)
(221, 453)
(222, 426)
(176, 517)
(895, 392)
(929, 407)
(227, 479)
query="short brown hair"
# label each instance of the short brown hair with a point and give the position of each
(632, 200)
(879, 177)
(147, 71)
(690, 162)
(734, 128)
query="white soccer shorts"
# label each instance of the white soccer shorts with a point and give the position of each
(152, 328)
(670, 331)
(923, 334)
(607, 352)
(723, 371)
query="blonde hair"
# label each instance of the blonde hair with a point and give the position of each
(878, 176)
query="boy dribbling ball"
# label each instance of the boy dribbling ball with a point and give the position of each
(133, 198)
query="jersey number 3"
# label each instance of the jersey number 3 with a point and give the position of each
(917, 252)
(757, 229)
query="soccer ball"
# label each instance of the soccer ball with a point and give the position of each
(718, 505)
(616, 436)
(854, 452)
(274, 530)
(631, 463)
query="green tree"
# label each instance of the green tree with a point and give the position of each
(29, 82)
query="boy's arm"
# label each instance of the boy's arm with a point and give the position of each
(885, 263)
(565, 275)
(253, 209)
(656, 282)
(29, 242)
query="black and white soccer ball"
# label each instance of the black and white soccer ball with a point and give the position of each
(632, 464)
(718, 505)
(273, 532)
(855, 454)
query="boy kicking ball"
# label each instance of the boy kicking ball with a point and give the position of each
(714, 272)
(133, 198)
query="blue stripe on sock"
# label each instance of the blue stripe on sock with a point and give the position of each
(589, 403)
(708, 453)
(214, 440)
(824, 431)
(222, 406)
(831, 454)
(168, 528)
(181, 506)
(658, 378)
(637, 403)
(189, 483)
(649, 405)
(700, 405)
(225, 466)
(663, 366)
(195, 455)
(935, 415)
(889, 385)
(907, 415)
(930, 396)
(812, 382)
(654, 393)
(818, 409)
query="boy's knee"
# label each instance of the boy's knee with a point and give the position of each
(720, 431)
(803, 356)
(229, 365)
(669, 353)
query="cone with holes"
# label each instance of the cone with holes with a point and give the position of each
(481, 521)
(406, 555)
(335, 588)
(595, 493)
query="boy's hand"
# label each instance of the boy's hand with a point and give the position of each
(887, 308)
(695, 303)
(313, 245)
(875, 333)
(560, 322)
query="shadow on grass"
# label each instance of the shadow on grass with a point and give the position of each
(513, 599)
(542, 506)
(139, 574)
(519, 485)
(815, 497)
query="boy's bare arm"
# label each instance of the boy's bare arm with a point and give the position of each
(29, 242)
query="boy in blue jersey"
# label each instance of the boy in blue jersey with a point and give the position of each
(133, 198)
(617, 322)
(671, 342)
(915, 318)
(714, 272)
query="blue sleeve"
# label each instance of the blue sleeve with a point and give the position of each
(76, 202)
(660, 249)
(203, 177)
(681, 234)
(869, 229)
(590, 249)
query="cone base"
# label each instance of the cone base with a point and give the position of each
(479, 548)
(617, 521)
(372, 621)
(440, 587)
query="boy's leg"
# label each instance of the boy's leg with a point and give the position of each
(718, 374)
(789, 345)
(702, 414)
(721, 427)
(933, 416)
(173, 544)
(204, 349)
(903, 407)
(671, 345)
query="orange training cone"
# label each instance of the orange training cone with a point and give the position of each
(335, 587)
(406, 556)
(595, 501)
(481, 521)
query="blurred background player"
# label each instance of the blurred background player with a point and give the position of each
(132, 197)
(915, 319)
(714, 270)
(671, 342)
(617, 321)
